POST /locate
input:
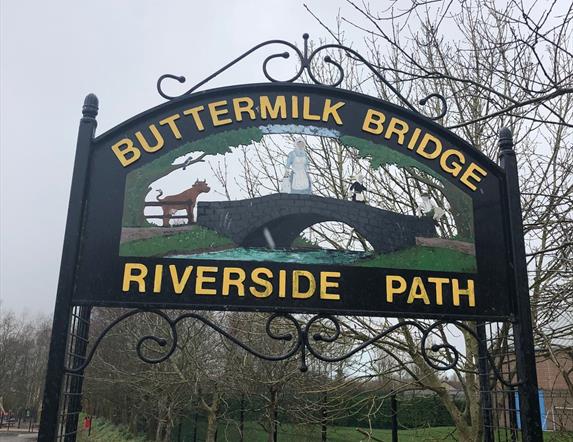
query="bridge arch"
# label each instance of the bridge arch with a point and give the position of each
(333, 235)
(285, 216)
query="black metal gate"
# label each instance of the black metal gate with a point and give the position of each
(507, 368)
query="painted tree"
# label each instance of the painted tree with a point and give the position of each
(139, 181)
(497, 65)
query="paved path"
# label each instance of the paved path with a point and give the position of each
(16, 436)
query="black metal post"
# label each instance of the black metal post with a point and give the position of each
(485, 390)
(523, 326)
(77, 353)
(324, 416)
(394, 412)
(242, 419)
(62, 311)
(195, 428)
(276, 419)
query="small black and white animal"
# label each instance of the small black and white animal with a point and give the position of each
(357, 189)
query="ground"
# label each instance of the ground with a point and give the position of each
(106, 432)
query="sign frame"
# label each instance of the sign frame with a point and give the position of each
(77, 238)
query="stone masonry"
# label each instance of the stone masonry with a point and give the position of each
(285, 216)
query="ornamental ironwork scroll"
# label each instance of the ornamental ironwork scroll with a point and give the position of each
(301, 338)
(305, 60)
(217, 200)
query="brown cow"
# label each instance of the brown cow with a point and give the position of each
(185, 200)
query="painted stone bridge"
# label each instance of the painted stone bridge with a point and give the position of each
(285, 216)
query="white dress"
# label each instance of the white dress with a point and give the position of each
(300, 180)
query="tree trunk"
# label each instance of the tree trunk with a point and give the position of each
(212, 418)
(159, 431)
(462, 211)
(167, 434)
(272, 410)
(465, 432)
(211, 427)
(138, 181)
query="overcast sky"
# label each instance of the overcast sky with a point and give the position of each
(54, 53)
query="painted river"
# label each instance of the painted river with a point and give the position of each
(300, 256)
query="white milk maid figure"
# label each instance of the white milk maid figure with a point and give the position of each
(297, 164)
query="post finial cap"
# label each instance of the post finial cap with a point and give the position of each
(91, 106)
(505, 139)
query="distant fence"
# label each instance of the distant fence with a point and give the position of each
(188, 205)
(247, 419)
(21, 421)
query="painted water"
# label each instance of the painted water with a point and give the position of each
(314, 256)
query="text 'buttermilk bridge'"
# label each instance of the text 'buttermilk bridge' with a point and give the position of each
(287, 215)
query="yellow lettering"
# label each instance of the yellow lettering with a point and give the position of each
(294, 106)
(469, 292)
(414, 139)
(424, 143)
(158, 277)
(373, 122)
(129, 276)
(228, 281)
(203, 279)
(243, 105)
(455, 167)
(194, 112)
(306, 115)
(179, 284)
(397, 127)
(265, 283)
(391, 289)
(170, 121)
(330, 110)
(159, 142)
(216, 111)
(126, 152)
(439, 282)
(469, 173)
(418, 291)
(325, 284)
(282, 283)
(296, 293)
(273, 110)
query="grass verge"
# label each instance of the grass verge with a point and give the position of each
(105, 431)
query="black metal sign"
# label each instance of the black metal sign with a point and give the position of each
(289, 198)
(128, 259)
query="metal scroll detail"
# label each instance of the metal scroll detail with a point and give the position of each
(301, 340)
(306, 65)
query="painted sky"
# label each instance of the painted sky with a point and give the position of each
(54, 53)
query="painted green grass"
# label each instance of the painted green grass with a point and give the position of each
(199, 238)
(424, 258)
